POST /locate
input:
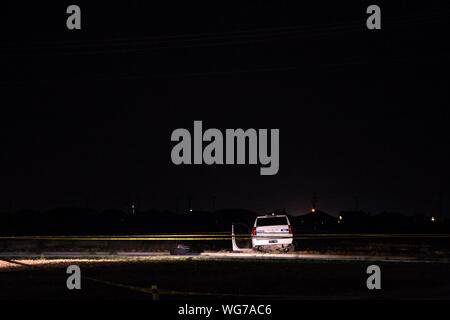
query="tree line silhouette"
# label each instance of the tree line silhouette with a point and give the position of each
(82, 221)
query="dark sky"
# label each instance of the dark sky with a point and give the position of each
(86, 116)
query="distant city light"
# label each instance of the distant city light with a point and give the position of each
(190, 210)
(432, 219)
(340, 217)
(313, 210)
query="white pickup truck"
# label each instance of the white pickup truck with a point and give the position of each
(272, 232)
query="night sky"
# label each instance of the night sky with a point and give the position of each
(86, 116)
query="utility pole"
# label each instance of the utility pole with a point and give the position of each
(356, 199)
(314, 202)
(177, 204)
(213, 199)
(189, 203)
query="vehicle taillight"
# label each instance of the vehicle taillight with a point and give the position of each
(253, 231)
(290, 230)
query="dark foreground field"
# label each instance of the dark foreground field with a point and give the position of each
(213, 278)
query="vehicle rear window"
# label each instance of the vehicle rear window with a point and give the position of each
(275, 221)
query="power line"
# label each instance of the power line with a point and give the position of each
(122, 45)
